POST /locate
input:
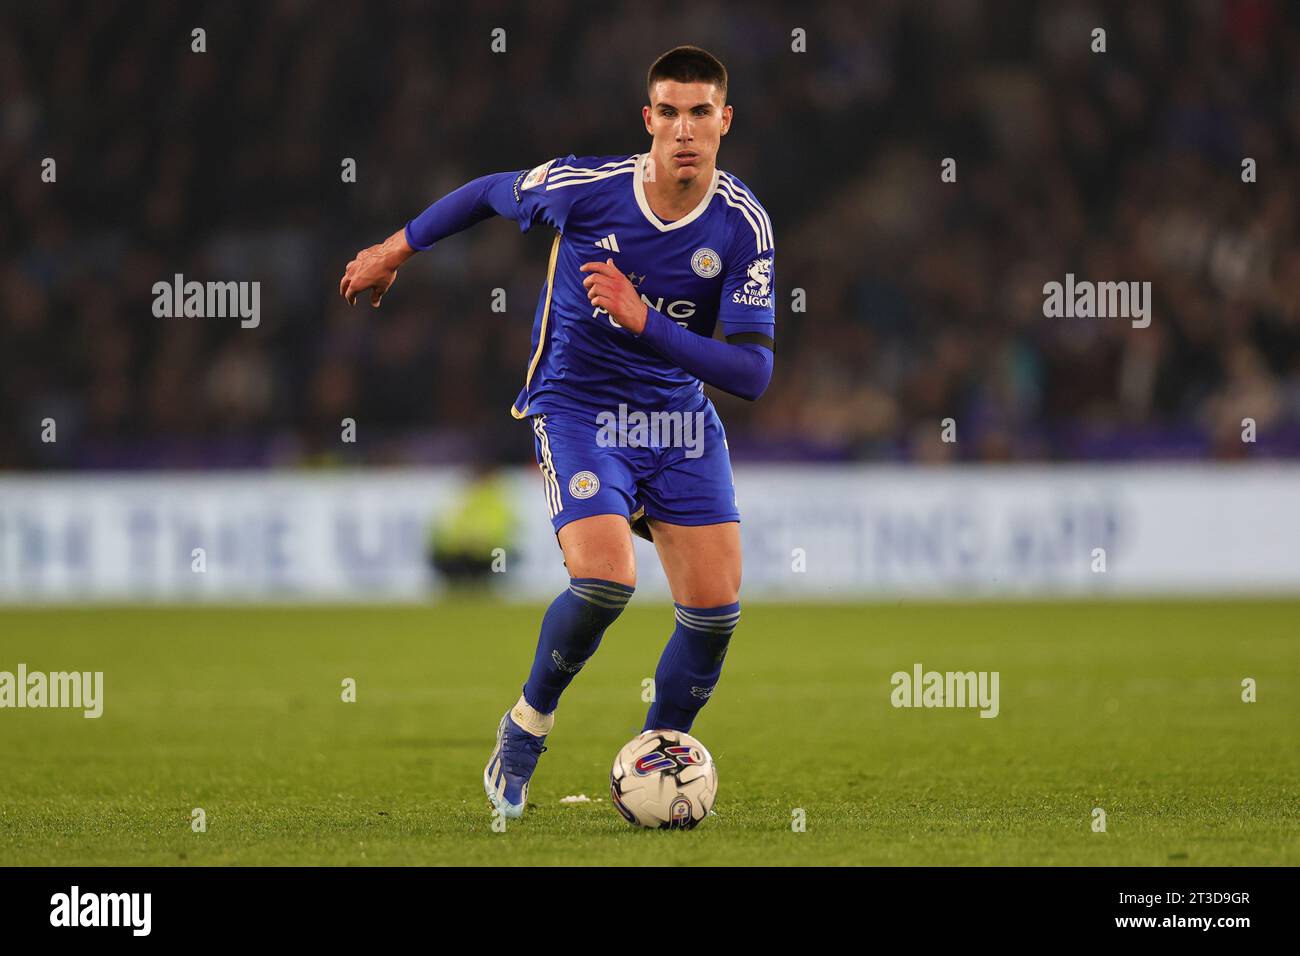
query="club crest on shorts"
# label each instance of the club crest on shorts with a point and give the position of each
(706, 263)
(584, 484)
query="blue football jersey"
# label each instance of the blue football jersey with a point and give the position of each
(713, 265)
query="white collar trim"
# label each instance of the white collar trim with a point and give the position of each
(638, 188)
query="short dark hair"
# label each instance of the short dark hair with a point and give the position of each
(688, 64)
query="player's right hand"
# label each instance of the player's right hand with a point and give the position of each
(375, 269)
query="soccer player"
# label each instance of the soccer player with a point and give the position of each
(651, 252)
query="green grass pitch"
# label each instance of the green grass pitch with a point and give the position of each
(1132, 707)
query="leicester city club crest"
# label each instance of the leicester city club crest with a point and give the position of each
(706, 263)
(584, 484)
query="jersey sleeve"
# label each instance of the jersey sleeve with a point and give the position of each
(748, 290)
(743, 369)
(519, 195)
(529, 201)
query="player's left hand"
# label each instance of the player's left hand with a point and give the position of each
(609, 289)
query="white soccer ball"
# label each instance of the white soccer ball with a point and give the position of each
(664, 779)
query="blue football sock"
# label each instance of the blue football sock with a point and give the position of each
(690, 665)
(571, 632)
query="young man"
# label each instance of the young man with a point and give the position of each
(651, 251)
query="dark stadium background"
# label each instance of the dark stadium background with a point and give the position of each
(923, 298)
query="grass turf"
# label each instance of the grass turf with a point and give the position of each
(1132, 707)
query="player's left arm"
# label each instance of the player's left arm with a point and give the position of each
(742, 365)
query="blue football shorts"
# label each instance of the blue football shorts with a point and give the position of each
(672, 469)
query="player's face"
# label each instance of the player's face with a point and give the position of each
(687, 121)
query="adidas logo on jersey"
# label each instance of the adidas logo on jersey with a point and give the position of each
(609, 242)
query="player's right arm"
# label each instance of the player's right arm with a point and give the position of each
(514, 195)
(375, 269)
